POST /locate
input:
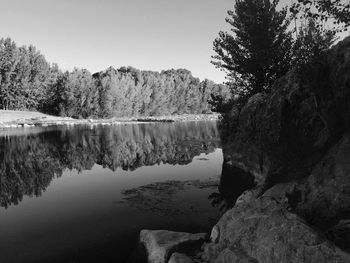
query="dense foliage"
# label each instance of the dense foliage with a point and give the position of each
(25, 76)
(28, 81)
(130, 92)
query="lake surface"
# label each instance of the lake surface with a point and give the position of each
(82, 194)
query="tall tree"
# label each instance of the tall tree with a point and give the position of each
(257, 50)
(9, 59)
(79, 96)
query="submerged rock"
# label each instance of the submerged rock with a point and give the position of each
(160, 244)
(166, 198)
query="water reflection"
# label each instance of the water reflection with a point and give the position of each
(30, 160)
(169, 197)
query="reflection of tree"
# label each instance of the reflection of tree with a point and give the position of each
(30, 162)
(27, 168)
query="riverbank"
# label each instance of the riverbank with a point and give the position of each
(18, 119)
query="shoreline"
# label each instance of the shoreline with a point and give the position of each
(25, 119)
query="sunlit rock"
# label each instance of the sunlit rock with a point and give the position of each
(247, 196)
(215, 234)
(160, 244)
(180, 258)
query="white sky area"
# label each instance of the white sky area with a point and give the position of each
(96, 34)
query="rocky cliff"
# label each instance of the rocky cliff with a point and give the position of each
(295, 144)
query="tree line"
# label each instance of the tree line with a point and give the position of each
(29, 82)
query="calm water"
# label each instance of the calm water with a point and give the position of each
(83, 194)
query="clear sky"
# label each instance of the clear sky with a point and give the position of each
(96, 34)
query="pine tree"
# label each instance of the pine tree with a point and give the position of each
(258, 49)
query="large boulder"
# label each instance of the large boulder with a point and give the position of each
(324, 197)
(160, 244)
(293, 142)
(265, 231)
(282, 136)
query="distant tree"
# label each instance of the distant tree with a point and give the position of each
(39, 79)
(9, 59)
(258, 49)
(24, 77)
(79, 95)
(28, 81)
(54, 92)
(107, 88)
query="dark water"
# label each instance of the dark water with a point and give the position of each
(82, 194)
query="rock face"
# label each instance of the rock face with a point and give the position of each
(264, 231)
(325, 195)
(161, 244)
(295, 142)
(286, 133)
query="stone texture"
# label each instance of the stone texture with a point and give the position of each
(228, 255)
(179, 258)
(215, 234)
(340, 234)
(248, 196)
(264, 231)
(282, 136)
(160, 244)
(325, 196)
